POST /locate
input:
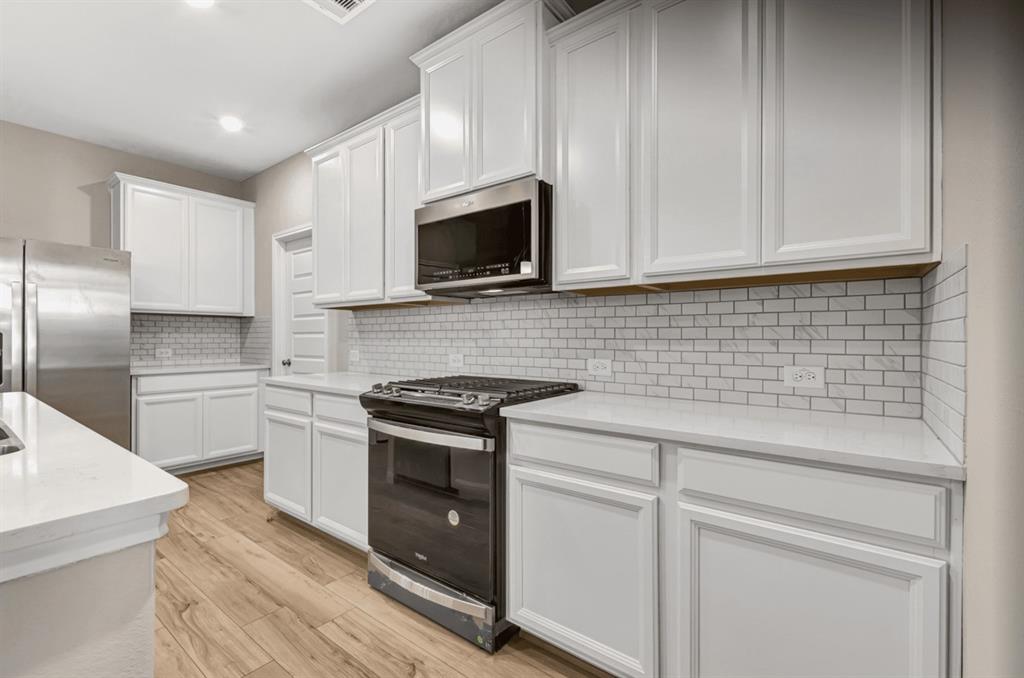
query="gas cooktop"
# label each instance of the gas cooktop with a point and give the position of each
(475, 394)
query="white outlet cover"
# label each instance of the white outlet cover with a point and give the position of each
(164, 353)
(353, 355)
(599, 367)
(804, 376)
(456, 361)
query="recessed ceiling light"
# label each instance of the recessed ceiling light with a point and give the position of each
(200, 4)
(231, 124)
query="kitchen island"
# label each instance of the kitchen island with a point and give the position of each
(79, 516)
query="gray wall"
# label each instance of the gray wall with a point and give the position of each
(54, 187)
(983, 177)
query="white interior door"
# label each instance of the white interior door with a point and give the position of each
(304, 326)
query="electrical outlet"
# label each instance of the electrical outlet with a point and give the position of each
(353, 355)
(804, 377)
(456, 361)
(164, 353)
(599, 367)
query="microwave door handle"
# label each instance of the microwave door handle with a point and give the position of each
(433, 436)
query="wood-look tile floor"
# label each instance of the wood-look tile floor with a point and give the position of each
(244, 591)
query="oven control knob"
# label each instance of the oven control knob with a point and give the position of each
(468, 398)
(378, 388)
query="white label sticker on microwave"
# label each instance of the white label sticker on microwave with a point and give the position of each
(526, 268)
(453, 518)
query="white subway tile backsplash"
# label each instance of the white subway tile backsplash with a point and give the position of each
(716, 345)
(198, 340)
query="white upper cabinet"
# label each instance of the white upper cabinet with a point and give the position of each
(218, 241)
(192, 252)
(703, 139)
(328, 207)
(362, 240)
(846, 105)
(154, 227)
(483, 99)
(700, 208)
(401, 190)
(365, 195)
(445, 87)
(592, 152)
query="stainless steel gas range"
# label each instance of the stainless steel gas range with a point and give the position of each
(437, 497)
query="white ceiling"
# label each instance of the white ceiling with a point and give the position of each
(152, 76)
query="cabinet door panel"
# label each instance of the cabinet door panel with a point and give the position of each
(156, 232)
(846, 128)
(328, 213)
(229, 422)
(592, 153)
(169, 428)
(340, 478)
(701, 208)
(582, 568)
(401, 190)
(505, 92)
(800, 603)
(445, 86)
(287, 462)
(363, 224)
(217, 244)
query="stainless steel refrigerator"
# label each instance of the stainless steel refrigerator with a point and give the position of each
(65, 321)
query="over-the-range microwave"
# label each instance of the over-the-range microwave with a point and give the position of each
(494, 242)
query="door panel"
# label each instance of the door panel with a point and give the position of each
(169, 428)
(445, 86)
(504, 112)
(363, 223)
(583, 568)
(401, 189)
(229, 422)
(702, 179)
(847, 128)
(217, 244)
(592, 153)
(800, 603)
(156, 232)
(287, 463)
(304, 344)
(340, 481)
(328, 215)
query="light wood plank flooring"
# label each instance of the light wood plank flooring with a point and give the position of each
(243, 591)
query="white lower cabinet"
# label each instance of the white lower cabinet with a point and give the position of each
(758, 598)
(726, 564)
(197, 419)
(315, 463)
(287, 462)
(583, 568)
(170, 428)
(340, 476)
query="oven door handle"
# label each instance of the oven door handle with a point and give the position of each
(432, 436)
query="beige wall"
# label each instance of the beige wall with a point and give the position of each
(983, 185)
(284, 199)
(54, 187)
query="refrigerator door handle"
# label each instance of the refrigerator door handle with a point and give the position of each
(17, 309)
(31, 337)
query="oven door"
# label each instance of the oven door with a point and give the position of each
(490, 238)
(432, 503)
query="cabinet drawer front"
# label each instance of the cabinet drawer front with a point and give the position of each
(893, 508)
(288, 400)
(610, 456)
(200, 381)
(339, 408)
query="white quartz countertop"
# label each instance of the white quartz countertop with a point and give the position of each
(193, 369)
(71, 493)
(869, 442)
(339, 383)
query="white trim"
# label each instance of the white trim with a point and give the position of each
(410, 104)
(118, 177)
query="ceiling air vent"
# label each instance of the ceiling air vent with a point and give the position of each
(341, 11)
